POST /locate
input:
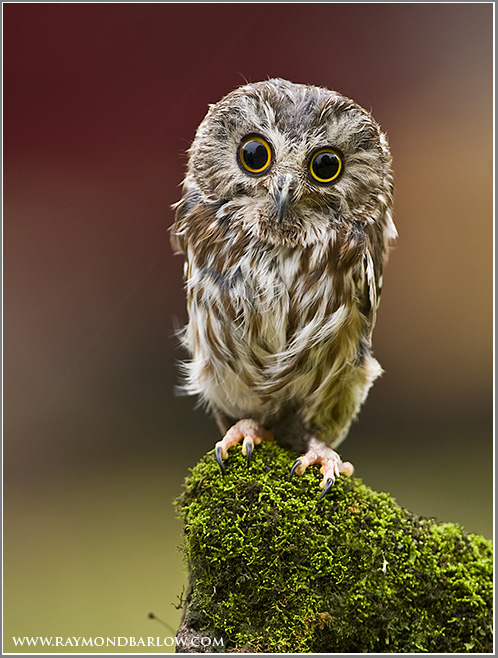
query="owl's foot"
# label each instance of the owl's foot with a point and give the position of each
(332, 466)
(249, 431)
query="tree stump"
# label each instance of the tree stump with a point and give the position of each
(273, 569)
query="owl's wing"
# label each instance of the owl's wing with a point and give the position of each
(196, 223)
(179, 228)
(380, 234)
(363, 251)
(372, 272)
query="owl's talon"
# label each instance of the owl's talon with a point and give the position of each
(293, 469)
(217, 454)
(332, 465)
(247, 430)
(247, 447)
(328, 486)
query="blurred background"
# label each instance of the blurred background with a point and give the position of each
(100, 103)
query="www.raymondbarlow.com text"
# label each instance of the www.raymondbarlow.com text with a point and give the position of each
(120, 641)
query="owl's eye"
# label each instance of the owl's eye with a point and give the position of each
(254, 155)
(325, 166)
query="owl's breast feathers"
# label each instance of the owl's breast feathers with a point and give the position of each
(273, 324)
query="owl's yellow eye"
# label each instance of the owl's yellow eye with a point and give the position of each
(254, 154)
(325, 165)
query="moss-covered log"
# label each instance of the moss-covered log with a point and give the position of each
(272, 569)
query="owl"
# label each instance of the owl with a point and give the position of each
(285, 225)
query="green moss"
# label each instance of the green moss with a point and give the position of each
(272, 569)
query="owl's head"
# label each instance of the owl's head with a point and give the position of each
(292, 160)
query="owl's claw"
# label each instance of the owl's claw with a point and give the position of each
(249, 431)
(219, 459)
(331, 464)
(328, 486)
(293, 469)
(247, 447)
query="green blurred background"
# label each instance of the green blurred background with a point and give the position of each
(100, 104)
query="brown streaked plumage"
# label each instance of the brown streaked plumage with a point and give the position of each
(285, 223)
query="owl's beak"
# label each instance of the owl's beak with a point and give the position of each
(284, 195)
